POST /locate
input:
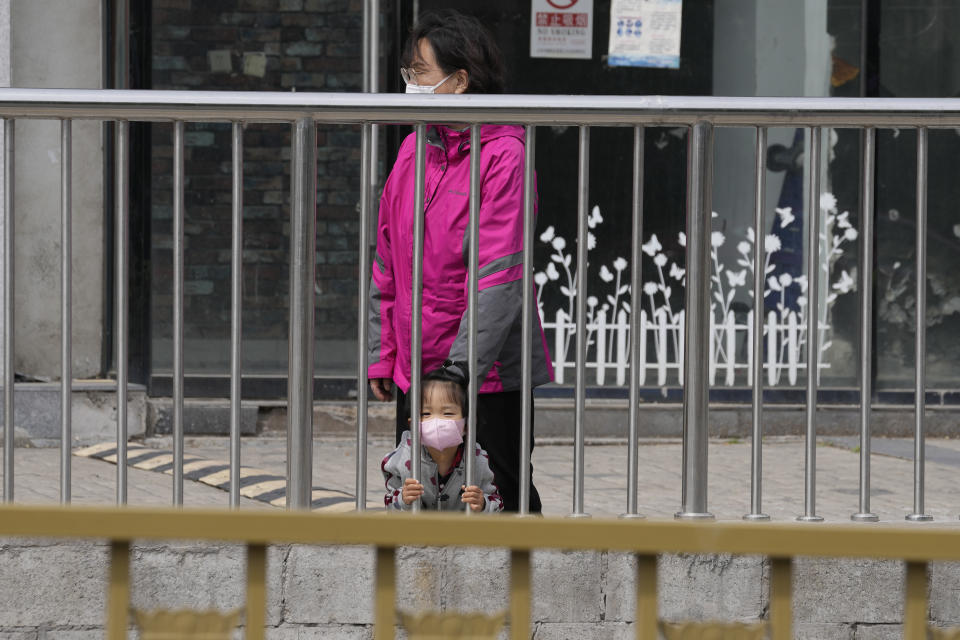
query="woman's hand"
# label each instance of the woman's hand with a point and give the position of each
(382, 388)
(412, 490)
(473, 496)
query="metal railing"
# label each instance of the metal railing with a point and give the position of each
(779, 543)
(304, 111)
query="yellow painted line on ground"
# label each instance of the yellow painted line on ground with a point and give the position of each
(199, 465)
(320, 494)
(260, 488)
(251, 472)
(95, 449)
(134, 453)
(343, 502)
(153, 463)
(216, 479)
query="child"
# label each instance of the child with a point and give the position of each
(442, 464)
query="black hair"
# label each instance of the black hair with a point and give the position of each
(459, 42)
(453, 377)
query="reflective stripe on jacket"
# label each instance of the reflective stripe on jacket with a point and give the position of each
(446, 246)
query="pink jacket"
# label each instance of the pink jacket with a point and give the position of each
(446, 246)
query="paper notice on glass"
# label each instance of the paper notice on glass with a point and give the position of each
(561, 29)
(645, 33)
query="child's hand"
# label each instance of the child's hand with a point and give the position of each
(412, 490)
(473, 496)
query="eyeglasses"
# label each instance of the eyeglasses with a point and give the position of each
(409, 75)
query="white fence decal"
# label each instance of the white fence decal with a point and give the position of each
(661, 327)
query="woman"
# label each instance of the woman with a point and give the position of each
(452, 53)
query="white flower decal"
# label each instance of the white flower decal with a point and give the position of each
(652, 246)
(771, 244)
(595, 217)
(845, 284)
(828, 202)
(784, 299)
(737, 279)
(786, 216)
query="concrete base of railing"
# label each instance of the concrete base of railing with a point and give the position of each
(37, 412)
(327, 592)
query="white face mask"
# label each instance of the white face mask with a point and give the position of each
(440, 433)
(426, 88)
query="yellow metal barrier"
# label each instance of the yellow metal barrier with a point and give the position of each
(646, 539)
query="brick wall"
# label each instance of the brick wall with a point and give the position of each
(254, 45)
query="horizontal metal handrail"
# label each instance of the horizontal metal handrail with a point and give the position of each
(775, 539)
(346, 108)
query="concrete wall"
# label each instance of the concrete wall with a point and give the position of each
(326, 592)
(56, 44)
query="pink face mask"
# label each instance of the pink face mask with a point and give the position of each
(440, 433)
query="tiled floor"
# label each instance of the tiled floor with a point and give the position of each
(334, 467)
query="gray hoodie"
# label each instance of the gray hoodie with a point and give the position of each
(445, 497)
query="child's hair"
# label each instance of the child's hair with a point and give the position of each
(452, 377)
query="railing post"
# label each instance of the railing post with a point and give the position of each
(520, 596)
(636, 303)
(368, 174)
(473, 299)
(363, 304)
(236, 308)
(813, 328)
(759, 251)
(303, 208)
(580, 414)
(178, 279)
(256, 592)
(122, 299)
(866, 322)
(8, 308)
(118, 590)
(781, 599)
(416, 305)
(385, 607)
(646, 615)
(66, 306)
(915, 607)
(696, 386)
(920, 339)
(527, 317)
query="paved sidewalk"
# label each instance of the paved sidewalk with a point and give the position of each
(37, 476)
